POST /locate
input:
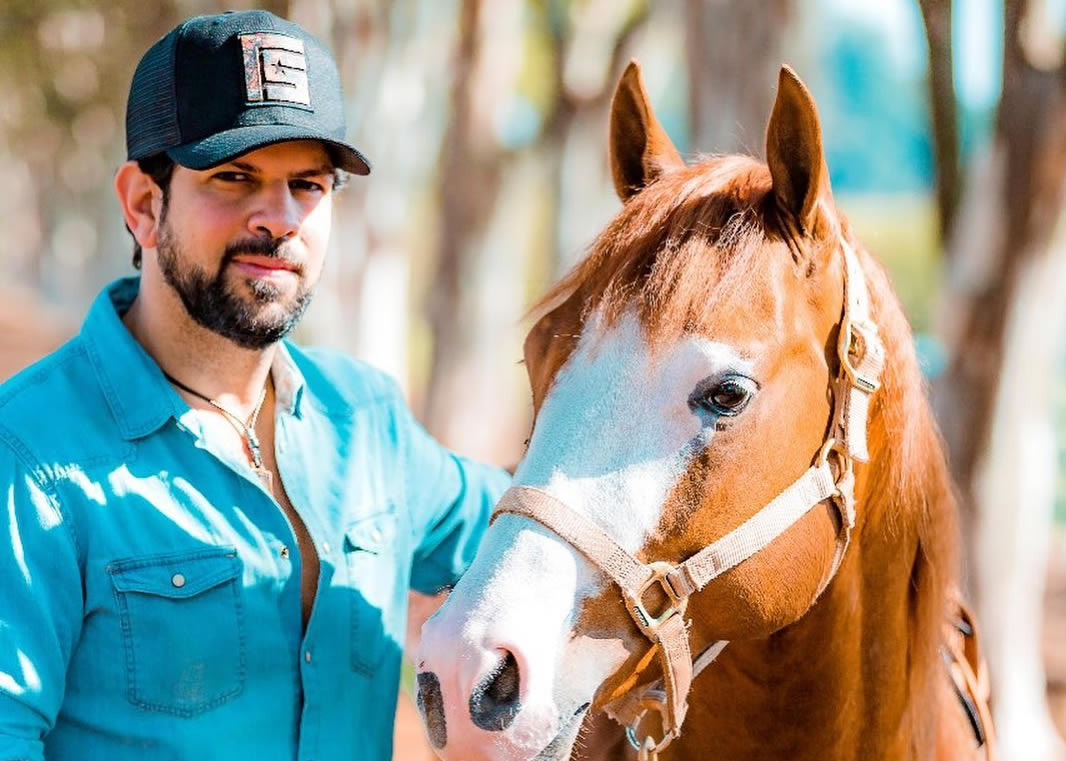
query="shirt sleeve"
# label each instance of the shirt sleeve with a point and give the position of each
(40, 607)
(450, 499)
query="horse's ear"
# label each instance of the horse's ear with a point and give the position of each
(640, 149)
(794, 153)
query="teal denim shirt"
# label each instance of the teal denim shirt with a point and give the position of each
(149, 601)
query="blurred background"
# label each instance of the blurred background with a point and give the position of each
(945, 131)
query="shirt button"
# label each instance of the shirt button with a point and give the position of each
(307, 656)
(284, 551)
(177, 580)
(325, 547)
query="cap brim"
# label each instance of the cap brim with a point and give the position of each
(228, 145)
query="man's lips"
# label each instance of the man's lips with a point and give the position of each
(264, 266)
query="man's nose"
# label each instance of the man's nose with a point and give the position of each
(278, 214)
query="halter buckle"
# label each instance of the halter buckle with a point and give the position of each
(648, 623)
(857, 338)
(835, 450)
(647, 749)
(843, 479)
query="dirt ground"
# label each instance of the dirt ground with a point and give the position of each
(409, 741)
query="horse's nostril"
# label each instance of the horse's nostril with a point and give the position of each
(494, 702)
(431, 705)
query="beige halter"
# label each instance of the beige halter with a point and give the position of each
(861, 356)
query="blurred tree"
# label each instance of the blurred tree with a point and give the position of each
(525, 76)
(465, 206)
(586, 58)
(1002, 317)
(936, 15)
(733, 53)
(1013, 201)
(391, 57)
(65, 66)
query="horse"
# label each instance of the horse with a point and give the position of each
(732, 456)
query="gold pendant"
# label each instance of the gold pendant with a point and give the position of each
(266, 478)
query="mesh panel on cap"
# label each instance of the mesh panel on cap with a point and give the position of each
(151, 120)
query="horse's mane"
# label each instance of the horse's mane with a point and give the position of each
(714, 219)
(911, 485)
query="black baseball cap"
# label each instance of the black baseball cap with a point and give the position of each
(219, 86)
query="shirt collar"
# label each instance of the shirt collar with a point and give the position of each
(288, 381)
(140, 398)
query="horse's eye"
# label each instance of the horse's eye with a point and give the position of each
(729, 397)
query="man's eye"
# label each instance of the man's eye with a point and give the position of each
(232, 176)
(309, 186)
(727, 397)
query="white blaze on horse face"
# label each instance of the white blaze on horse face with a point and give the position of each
(613, 437)
(616, 432)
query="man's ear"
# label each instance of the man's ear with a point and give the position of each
(640, 149)
(141, 201)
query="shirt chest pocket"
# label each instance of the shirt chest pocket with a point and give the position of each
(182, 628)
(372, 565)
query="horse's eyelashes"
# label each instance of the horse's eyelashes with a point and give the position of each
(724, 398)
(730, 396)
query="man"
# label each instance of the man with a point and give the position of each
(208, 534)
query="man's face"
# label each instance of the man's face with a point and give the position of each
(243, 243)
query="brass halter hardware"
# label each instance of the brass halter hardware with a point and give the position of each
(646, 621)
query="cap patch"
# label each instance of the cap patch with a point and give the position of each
(275, 69)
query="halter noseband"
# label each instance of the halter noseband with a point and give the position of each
(861, 358)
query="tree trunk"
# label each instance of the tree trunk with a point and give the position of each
(733, 53)
(997, 318)
(575, 114)
(1014, 206)
(936, 15)
(467, 184)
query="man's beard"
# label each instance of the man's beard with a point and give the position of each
(216, 306)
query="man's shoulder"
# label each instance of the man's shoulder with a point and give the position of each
(342, 382)
(55, 378)
(52, 398)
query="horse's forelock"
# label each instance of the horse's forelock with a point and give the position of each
(708, 217)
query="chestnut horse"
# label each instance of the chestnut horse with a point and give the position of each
(731, 445)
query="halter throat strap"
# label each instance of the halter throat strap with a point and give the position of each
(861, 360)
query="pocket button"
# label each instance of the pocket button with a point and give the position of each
(177, 580)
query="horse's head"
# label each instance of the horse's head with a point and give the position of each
(682, 378)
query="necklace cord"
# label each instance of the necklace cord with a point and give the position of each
(245, 428)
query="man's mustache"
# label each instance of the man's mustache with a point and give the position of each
(282, 250)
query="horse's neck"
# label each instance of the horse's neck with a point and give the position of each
(858, 676)
(834, 685)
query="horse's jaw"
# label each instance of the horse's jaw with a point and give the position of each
(562, 746)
